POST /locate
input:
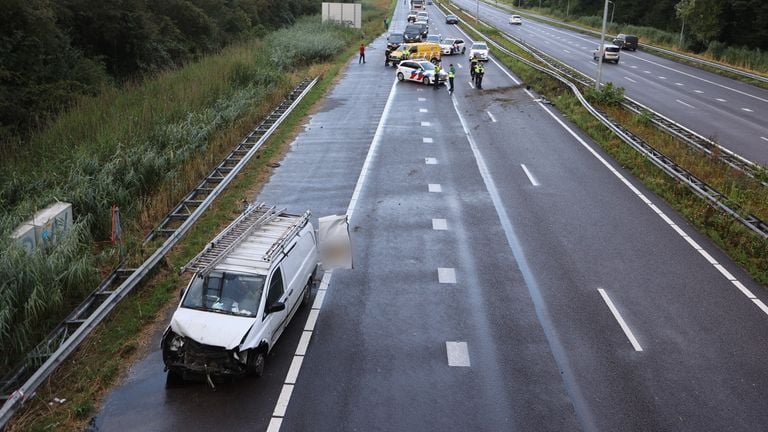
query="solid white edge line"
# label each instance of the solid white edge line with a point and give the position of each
(622, 323)
(285, 394)
(683, 103)
(493, 119)
(744, 289)
(764, 138)
(530, 176)
(319, 297)
(761, 305)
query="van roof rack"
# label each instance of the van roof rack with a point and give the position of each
(255, 217)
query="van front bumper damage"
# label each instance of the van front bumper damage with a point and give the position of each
(190, 358)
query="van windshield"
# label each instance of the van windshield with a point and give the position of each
(233, 294)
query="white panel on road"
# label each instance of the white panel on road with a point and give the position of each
(422, 99)
(430, 161)
(427, 140)
(423, 110)
(458, 354)
(426, 124)
(439, 224)
(434, 187)
(446, 275)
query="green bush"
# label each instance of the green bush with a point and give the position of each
(308, 41)
(609, 95)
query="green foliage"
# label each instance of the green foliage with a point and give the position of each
(306, 42)
(609, 95)
(35, 287)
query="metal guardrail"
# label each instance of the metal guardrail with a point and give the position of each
(72, 331)
(645, 46)
(699, 187)
(685, 135)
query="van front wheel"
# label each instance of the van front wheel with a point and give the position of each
(307, 297)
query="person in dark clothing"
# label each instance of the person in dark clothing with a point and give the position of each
(362, 54)
(387, 52)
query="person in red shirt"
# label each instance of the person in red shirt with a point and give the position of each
(362, 54)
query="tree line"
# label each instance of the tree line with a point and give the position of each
(738, 23)
(54, 50)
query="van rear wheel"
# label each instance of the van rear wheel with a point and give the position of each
(307, 297)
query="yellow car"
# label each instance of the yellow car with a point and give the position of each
(416, 51)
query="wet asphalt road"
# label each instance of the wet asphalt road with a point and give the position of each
(529, 247)
(728, 111)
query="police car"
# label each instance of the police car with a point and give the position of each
(452, 46)
(420, 71)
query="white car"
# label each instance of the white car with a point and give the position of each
(422, 16)
(420, 71)
(515, 19)
(433, 38)
(479, 50)
(609, 52)
(452, 46)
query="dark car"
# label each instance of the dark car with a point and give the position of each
(394, 40)
(424, 28)
(451, 19)
(627, 42)
(412, 33)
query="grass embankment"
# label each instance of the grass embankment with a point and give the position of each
(738, 242)
(141, 148)
(122, 337)
(749, 60)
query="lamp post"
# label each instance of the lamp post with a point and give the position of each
(613, 10)
(601, 48)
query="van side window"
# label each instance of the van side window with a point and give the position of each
(275, 288)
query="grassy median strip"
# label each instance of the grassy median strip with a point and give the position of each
(123, 337)
(741, 244)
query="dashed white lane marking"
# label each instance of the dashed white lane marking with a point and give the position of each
(422, 99)
(546, 42)
(698, 91)
(761, 305)
(293, 371)
(430, 161)
(423, 110)
(471, 84)
(633, 67)
(274, 424)
(566, 51)
(622, 323)
(493, 119)
(458, 354)
(446, 275)
(311, 320)
(459, 65)
(435, 188)
(427, 140)
(679, 84)
(721, 100)
(764, 138)
(747, 110)
(439, 224)
(683, 103)
(282, 401)
(285, 394)
(530, 176)
(426, 123)
(647, 72)
(306, 336)
(662, 77)
(630, 79)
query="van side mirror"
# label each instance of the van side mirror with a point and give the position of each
(276, 307)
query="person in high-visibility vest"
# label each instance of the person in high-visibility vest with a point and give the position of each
(479, 72)
(472, 67)
(451, 76)
(437, 75)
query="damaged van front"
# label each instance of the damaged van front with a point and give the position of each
(209, 334)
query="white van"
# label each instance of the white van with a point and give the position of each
(248, 284)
